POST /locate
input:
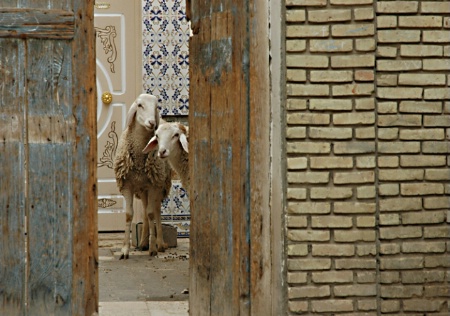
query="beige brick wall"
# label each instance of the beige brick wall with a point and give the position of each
(368, 144)
(413, 94)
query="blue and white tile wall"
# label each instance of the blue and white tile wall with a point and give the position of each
(175, 209)
(166, 75)
(166, 54)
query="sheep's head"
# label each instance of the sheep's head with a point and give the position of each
(145, 111)
(168, 138)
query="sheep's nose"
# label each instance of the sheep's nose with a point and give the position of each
(150, 123)
(162, 153)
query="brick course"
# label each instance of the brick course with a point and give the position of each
(368, 114)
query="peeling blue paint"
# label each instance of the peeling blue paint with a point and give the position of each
(199, 114)
(215, 59)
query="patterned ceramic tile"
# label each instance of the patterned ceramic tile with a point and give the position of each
(175, 209)
(166, 75)
(166, 54)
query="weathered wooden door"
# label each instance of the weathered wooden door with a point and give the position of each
(230, 159)
(119, 81)
(48, 153)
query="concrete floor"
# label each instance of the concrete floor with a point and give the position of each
(142, 278)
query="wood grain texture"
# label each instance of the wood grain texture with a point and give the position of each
(242, 165)
(188, 10)
(259, 124)
(221, 148)
(48, 149)
(49, 206)
(229, 95)
(36, 23)
(8, 3)
(199, 164)
(84, 187)
(46, 261)
(12, 186)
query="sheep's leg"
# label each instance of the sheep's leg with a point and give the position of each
(145, 235)
(152, 247)
(143, 243)
(162, 246)
(128, 195)
(156, 210)
(151, 218)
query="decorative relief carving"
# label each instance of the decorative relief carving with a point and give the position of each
(107, 36)
(107, 159)
(102, 5)
(105, 203)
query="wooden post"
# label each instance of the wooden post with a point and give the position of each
(48, 148)
(230, 158)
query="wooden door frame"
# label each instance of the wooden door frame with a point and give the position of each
(236, 159)
(278, 155)
(85, 230)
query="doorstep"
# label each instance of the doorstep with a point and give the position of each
(148, 308)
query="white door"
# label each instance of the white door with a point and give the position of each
(119, 81)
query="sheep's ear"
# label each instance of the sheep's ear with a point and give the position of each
(131, 113)
(184, 142)
(150, 145)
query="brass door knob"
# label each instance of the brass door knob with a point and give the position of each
(107, 97)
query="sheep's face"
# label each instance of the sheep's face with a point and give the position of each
(169, 138)
(145, 111)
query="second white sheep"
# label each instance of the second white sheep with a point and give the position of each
(172, 140)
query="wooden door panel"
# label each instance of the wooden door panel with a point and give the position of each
(48, 159)
(12, 206)
(230, 140)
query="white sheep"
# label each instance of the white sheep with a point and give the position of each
(140, 174)
(172, 142)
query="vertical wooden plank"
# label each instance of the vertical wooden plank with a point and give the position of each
(229, 61)
(85, 252)
(50, 248)
(41, 220)
(222, 126)
(61, 135)
(199, 164)
(63, 246)
(49, 205)
(259, 123)
(241, 204)
(61, 4)
(12, 186)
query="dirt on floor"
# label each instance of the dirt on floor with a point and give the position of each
(141, 277)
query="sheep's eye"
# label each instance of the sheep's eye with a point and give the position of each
(176, 135)
(156, 136)
(139, 105)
